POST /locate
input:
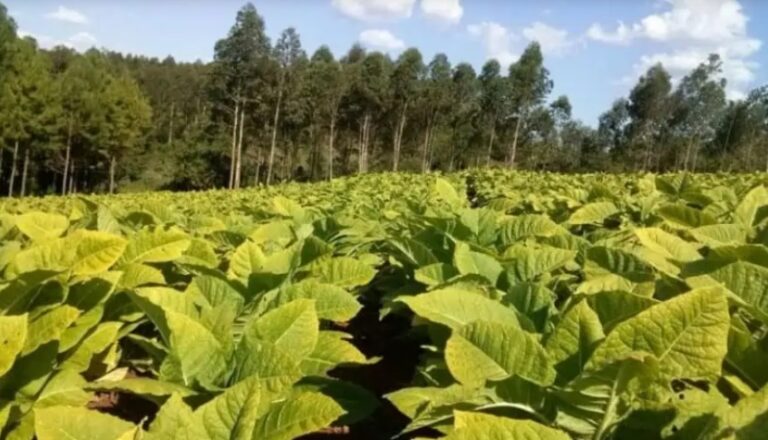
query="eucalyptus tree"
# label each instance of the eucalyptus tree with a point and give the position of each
(373, 88)
(127, 116)
(649, 109)
(26, 104)
(290, 57)
(326, 85)
(698, 103)
(465, 106)
(530, 84)
(239, 78)
(404, 83)
(493, 99)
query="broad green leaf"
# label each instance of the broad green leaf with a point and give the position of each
(247, 259)
(291, 328)
(456, 308)
(200, 253)
(95, 252)
(617, 306)
(434, 274)
(332, 302)
(747, 420)
(428, 406)
(342, 271)
(71, 423)
(331, 350)
(593, 213)
(196, 356)
(746, 212)
(302, 414)
(446, 192)
(667, 245)
(49, 327)
(272, 367)
(574, 339)
(745, 354)
(470, 262)
(684, 217)
(81, 252)
(172, 418)
(610, 261)
(66, 388)
(720, 235)
(136, 275)
(16, 297)
(528, 263)
(474, 426)
(526, 226)
(41, 226)
(488, 351)
(357, 402)
(96, 343)
(155, 246)
(156, 302)
(688, 335)
(231, 415)
(13, 336)
(747, 282)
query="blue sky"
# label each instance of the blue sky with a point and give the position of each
(595, 49)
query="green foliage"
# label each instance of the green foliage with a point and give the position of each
(562, 305)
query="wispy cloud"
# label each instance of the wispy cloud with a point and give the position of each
(688, 31)
(67, 15)
(381, 39)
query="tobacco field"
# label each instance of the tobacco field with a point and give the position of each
(487, 304)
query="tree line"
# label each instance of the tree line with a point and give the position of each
(263, 112)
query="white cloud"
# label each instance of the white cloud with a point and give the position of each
(69, 15)
(620, 36)
(381, 39)
(499, 41)
(83, 40)
(449, 11)
(688, 31)
(375, 10)
(80, 41)
(553, 41)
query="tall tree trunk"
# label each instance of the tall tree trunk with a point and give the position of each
(257, 177)
(170, 124)
(2, 155)
(398, 139)
(112, 167)
(490, 144)
(331, 136)
(425, 147)
(71, 180)
(233, 153)
(313, 152)
(24, 172)
(360, 137)
(513, 153)
(688, 149)
(695, 158)
(239, 152)
(363, 166)
(14, 162)
(66, 158)
(274, 134)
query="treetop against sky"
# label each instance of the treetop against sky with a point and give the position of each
(594, 49)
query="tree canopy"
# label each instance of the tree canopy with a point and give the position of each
(260, 113)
